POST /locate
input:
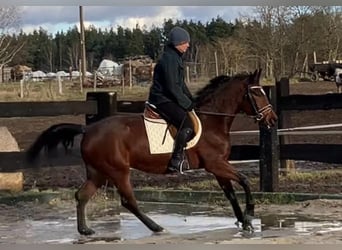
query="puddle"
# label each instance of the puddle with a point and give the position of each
(43, 223)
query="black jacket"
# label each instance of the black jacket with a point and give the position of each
(168, 80)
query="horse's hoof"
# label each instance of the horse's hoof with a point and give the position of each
(161, 232)
(247, 224)
(86, 231)
(248, 228)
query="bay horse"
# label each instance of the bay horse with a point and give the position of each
(112, 146)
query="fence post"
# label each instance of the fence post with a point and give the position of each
(187, 75)
(269, 152)
(106, 105)
(284, 121)
(130, 74)
(216, 64)
(95, 80)
(22, 88)
(60, 86)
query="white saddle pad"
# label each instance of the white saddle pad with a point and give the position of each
(160, 139)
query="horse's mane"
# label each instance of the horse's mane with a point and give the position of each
(215, 83)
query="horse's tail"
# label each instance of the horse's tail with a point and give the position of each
(49, 139)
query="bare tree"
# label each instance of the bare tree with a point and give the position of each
(232, 54)
(9, 23)
(266, 36)
(73, 54)
(334, 30)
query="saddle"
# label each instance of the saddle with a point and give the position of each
(151, 113)
(161, 134)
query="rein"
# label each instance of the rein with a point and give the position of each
(214, 113)
(259, 113)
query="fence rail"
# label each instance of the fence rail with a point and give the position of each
(270, 151)
(30, 109)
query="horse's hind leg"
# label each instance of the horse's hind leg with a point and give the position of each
(82, 196)
(128, 201)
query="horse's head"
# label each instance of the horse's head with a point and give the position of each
(256, 103)
(226, 96)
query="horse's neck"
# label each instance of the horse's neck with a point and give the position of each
(223, 110)
(224, 104)
(220, 125)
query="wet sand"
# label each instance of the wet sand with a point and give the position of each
(54, 222)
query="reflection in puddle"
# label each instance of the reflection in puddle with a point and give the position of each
(30, 223)
(301, 225)
(131, 228)
(308, 227)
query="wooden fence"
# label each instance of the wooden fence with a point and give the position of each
(274, 148)
(269, 152)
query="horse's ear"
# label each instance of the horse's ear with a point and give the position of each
(255, 77)
(259, 74)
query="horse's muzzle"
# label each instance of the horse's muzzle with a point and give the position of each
(270, 119)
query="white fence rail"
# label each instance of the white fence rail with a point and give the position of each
(297, 130)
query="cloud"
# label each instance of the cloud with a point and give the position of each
(165, 12)
(57, 18)
(37, 15)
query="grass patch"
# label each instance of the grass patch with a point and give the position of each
(200, 185)
(306, 177)
(292, 182)
(48, 91)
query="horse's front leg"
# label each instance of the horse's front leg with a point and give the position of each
(249, 211)
(244, 218)
(224, 173)
(229, 192)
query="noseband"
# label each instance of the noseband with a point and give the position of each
(259, 112)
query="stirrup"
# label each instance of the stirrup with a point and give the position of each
(183, 164)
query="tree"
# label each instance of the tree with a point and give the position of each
(121, 49)
(73, 47)
(136, 43)
(330, 26)
(93, 47)
(218, 28)
(9, 23)
(266, 36)
(153, 42)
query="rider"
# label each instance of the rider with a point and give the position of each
(171, 96)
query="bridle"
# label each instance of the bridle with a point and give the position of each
(259, 112)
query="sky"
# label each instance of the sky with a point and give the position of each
(58, 18)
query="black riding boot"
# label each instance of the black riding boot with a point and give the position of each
(178, 162)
